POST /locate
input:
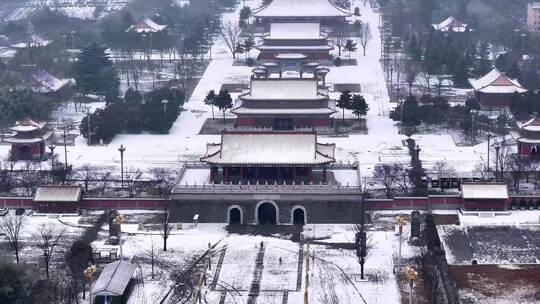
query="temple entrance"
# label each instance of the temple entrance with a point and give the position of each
(267, 214)
(299, 217)
(235, 216)
(25, 153)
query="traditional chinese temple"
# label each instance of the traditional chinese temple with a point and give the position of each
(292, 38)
(28, 140)
(284, 104)
(268, 157)
(495, 90)
(147, 25)
(301, 11)
(528, 138)
(450, 24)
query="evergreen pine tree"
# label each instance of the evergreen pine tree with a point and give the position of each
(350, 46)
(210, 100)
(359, 105)
(344, 101)
(94, 73)
(224, 101)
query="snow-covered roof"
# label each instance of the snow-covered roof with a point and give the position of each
(47, 83)
(300, 8)
(114, 279)
(284, 89)
(535, 5)
(532, 124)
(147, 25)
(306, 30)
(484, 191)
(495, 82)
(297, 48)
(239, 108)
(27, 125)
(450, 24)
(58, 193)
(267, 148)
(33, 41)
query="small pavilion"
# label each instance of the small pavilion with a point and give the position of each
(495, 90)
(528, 137)
(58, 198)
(450, 24)
(267, 157)
(291, 38)
(113, 282)
(301, 11)
(29, 139)
(284, 104)
(146, 25)
(485, 196)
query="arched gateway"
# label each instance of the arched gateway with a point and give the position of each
(235, 215)
(298, 215)
(267, 213)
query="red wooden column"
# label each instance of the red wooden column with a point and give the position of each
(324, 174)
(226, 174)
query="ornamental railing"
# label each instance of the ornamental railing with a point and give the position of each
(267, 188)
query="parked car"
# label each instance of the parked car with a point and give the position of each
(4, 211)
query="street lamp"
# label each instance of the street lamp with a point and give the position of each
(73, 39)
(489, 135)
(65, 152)
(122, 149)
(119, 220)
(89, 275)
(400, 221)
(52, 147)
(473, 135)
(497, 147)
(412, 275)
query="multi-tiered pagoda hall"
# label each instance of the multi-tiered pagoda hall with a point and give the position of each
(295, 38)
(323, 11)
(268, 157)
(284, 104)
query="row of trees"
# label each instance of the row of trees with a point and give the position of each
(156, 111)
(222, 101)
(354, 102)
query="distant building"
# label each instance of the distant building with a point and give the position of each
(485, 196)
(44, 83)
(533, 16)
(33, 41)
(528, 138)
(28, 142)
(147, 25)
(287, 38)
(268, 157)
(284, 104)
(494, 91)
(450, 24)
(301, 11)
(58, 199)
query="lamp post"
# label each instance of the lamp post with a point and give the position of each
(412, 275)
(497, 147)
(143, 36)
(73, 39)
(165, 102)
(473, 135)
(400, 221)
(89, 275)
(88, 115)
(52, 147)
(122, 149)
(118, 220)
(65, 152)
(488, 147)
(65, 37)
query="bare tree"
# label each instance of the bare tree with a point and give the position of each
(11, 226)
(152, 254)
(48, 238)
(87, 173)
(403, 179)
(104, 182)
(412, 70)
(443, 170)
(339, 37)
(517, 165)
(230, 32)
(427, 78)
(385, 175)
(365, 36)
(166, 226)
